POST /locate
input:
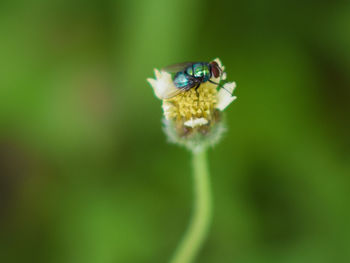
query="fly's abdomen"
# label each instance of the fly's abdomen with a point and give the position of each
(181, 80)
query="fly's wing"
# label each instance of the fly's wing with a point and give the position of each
(173, 69)
(177, 67)
(171, 93)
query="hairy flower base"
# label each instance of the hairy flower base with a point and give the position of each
(197, 138)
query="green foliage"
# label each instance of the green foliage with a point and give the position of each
(86, 174)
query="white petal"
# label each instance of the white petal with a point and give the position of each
(225, 95)
(196, 122)
(163, 85)
(167, 106)
(157, 73)
(230, 86)
(224, 76)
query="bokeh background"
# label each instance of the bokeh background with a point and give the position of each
(86, 174)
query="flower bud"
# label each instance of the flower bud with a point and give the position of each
(193, 118)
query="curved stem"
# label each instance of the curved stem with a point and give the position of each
(201, 216)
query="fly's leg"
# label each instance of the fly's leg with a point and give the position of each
(196, 89)
(220, 86)
(213, 82)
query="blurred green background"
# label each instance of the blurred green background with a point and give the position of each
(86, 174)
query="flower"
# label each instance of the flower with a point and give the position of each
(195, 111)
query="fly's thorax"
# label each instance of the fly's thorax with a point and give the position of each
(199, 70)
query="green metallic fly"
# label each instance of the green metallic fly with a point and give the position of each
(191, 74)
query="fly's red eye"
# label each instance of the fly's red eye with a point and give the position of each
(215, 69)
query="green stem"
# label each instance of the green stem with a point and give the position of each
(201, 217)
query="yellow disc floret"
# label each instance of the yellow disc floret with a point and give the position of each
(195, 103)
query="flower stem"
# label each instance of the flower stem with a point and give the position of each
(201, 216)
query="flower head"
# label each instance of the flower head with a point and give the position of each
(192, 115)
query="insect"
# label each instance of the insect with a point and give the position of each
(190, 75)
